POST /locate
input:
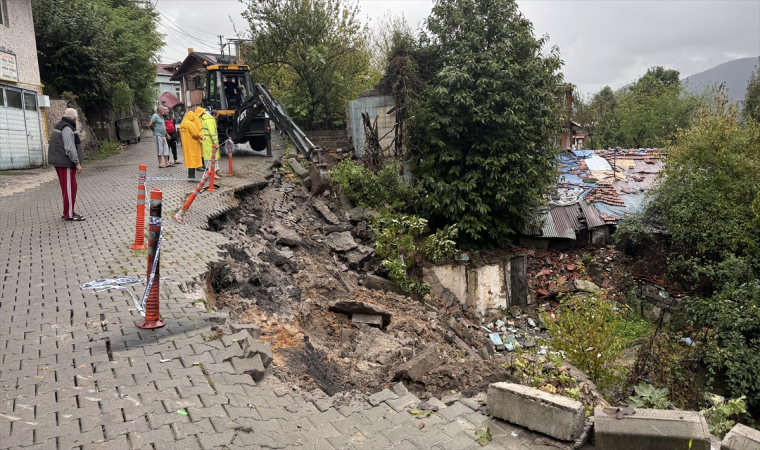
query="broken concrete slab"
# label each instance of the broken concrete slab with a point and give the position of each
(421, 365)
(369, 319)
(325, 213)
(341, 242)
(741, 437)
(298, 168)
(232, 339)
(249, 366)
(382, 284)
(253, 330)
(287, 236)
(434, 402)
(350, 307)
(556, 416)
(355, 214)
(253, 347)
(586, 286)
(358, 256)
(650, 429)
(379, 397)
(400, 389)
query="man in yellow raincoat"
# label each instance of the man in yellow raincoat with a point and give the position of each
(209, 132)
(192, 147)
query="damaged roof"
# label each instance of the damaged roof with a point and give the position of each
(597, 188)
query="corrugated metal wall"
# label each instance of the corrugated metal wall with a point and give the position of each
(376, 106)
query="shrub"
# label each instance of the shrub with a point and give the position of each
(719, 415)
(386, 189)
(648, 396)
(395, 237)
(585, 330)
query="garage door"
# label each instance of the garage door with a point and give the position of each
(20, 137)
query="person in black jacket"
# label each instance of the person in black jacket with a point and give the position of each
(65, 153)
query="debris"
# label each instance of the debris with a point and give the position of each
(400, 389)
(349, 307)
(513, 434)
(341, 242)
(421, 365)
(325, 212)
(420, 413)
(531, 323)
(586, 286)
(287, 236)
(182, 411)
(382, 284)
(422, 425)
(619, 413)
(165, 360)
(371, 320)
(253, 347)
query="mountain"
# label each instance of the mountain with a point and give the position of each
(734, 73)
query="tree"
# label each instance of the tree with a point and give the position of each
(312, 53)
(751, 103)
(87, 48)
(382, 39)
(481, 136)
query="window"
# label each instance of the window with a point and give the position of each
(13, 98)
(4, 13)
(2, 97)
(30, 101)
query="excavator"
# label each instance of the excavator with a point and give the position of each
(245, 109)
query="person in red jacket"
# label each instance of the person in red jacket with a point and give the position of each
(171, 133)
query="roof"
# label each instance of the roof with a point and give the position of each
(590, 195)
(166, 69)
(194, 63)
(170, 99)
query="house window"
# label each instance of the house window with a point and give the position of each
(30, 101)
(13, 99)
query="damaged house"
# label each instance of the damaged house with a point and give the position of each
(597, 189)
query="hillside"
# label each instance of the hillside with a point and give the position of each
(734, 73)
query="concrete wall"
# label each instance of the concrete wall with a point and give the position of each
(90, 144)
(484, 286)
(330, 138)
(376, 102)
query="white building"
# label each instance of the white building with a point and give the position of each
(21, 116)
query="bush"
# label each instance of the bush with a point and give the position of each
(722, 415)
(395, 241)
(386, 189)
(585, 330)
(648, 396)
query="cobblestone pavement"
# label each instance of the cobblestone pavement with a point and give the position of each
(76, 372)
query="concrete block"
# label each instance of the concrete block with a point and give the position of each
(250, 328)
(381, 284)
(371, 320)
(253, 347)
(250, 366)
(741, 437)
(489, 286)
(556, 416)
(651, 429)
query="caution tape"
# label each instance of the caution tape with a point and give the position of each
(124, 283)
(171, 179)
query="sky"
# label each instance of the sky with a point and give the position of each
(602, 42)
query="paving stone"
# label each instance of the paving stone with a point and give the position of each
(403, 402)
(249, 366)
(377, 398)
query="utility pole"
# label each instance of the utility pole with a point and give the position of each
(221, 45)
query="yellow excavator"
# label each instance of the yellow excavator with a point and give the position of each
(245, 109)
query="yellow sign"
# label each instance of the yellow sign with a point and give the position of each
(8, 68)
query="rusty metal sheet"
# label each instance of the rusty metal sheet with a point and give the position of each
(593, 219)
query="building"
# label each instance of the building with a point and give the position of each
(164, 83)
(21, 101)
(191, 75)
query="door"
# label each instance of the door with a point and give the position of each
(33, 133)
(14, 146)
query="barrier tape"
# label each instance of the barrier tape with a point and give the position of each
(123, 283)
(171, 179)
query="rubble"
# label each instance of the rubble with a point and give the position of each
(341, 242)
(421, 365)
(353, 308)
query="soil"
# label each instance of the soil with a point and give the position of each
(285, 287)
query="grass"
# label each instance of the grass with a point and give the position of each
(632, 326)
(108, 148)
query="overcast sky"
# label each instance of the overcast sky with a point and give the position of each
(603, 42)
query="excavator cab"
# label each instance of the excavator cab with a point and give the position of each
(228, 89)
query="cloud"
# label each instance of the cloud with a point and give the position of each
(603, 42)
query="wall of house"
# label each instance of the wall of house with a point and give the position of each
(17, 36)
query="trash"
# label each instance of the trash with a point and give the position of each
(689, 342)
(532, 323)
(509, 346)
(182, 411)
(495, 338)
(514, 434)
(499, 323)
(542, 350)
(165, 360)
(105, 322)
(422, 425)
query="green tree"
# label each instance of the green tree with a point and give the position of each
(92, 49)
(312, 53)
(751, 103)
(481, 136)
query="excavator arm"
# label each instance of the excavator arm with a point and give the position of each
(261, 99)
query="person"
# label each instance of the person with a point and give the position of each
(199, 122)
(192, 149)
(209, 132)
(171, 133)
(158, 126)
(65, 153)
(231, 91)
(170, 111)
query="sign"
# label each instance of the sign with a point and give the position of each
(8, 68)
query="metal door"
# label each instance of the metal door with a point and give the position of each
(14, 146)
(33, 133)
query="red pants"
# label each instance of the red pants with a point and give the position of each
(68, 179)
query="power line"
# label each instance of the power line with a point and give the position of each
(161, 11)
(169, 25)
